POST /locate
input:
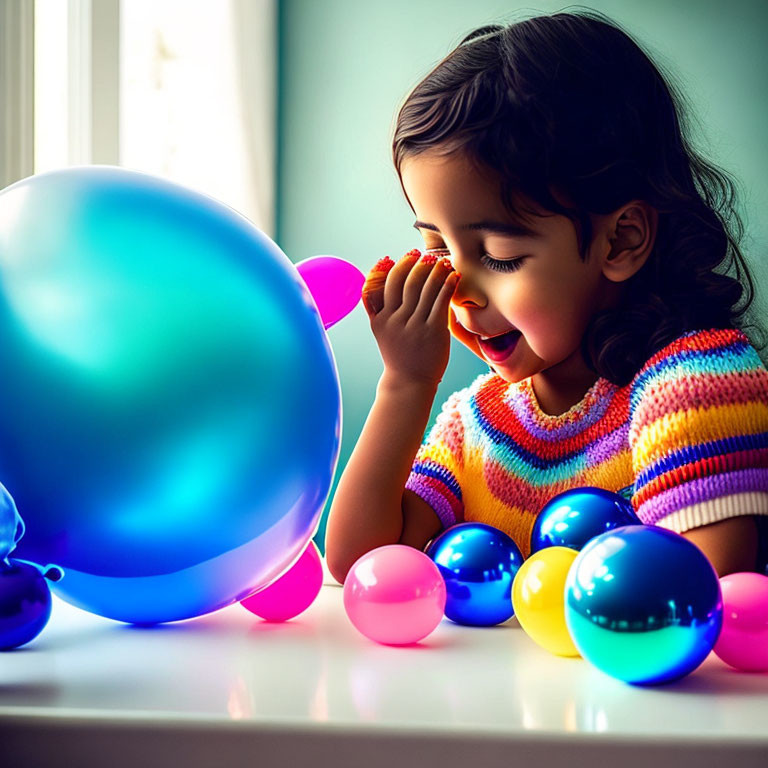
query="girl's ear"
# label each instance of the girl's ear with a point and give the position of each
(631, 233)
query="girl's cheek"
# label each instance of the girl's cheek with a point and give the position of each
(461, 334)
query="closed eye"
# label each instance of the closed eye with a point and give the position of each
(497, 265)
(502, 265)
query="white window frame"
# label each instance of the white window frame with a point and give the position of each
(94, 89)
(16, 90)
(94, 82)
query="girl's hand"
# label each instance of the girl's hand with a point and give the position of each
(407, 304)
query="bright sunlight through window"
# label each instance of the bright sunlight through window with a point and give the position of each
(190, 82)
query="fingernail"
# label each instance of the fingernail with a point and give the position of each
(428, 258)
(414, 253)
(383, 265)
(447, 263)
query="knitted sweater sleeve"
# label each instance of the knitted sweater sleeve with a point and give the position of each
(699, 431)
(437, 469)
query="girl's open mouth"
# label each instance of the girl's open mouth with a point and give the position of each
(499, 348)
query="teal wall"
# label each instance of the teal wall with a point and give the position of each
(346, 66)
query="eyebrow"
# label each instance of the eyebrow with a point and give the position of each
(495, 227)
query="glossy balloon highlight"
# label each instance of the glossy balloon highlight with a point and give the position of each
(11, 524)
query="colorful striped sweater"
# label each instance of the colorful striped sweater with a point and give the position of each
(686, 441)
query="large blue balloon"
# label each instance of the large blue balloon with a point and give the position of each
(170, 410)
(643, 604)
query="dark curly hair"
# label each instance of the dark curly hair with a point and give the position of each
(570, 102)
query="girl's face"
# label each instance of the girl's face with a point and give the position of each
(533, 282)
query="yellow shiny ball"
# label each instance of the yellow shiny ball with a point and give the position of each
(538, 598)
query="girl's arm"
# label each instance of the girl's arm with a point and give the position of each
(730, 545)
(367, 509)
(408, 305)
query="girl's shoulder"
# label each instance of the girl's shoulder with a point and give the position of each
(693, 346)
(714, 356)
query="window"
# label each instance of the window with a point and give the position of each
(183, 89)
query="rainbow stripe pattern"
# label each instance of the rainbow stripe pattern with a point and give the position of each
(686, 441)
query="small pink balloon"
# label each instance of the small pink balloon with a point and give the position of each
(293, 592)
(394, 595)
(336, 286)
(743, 640)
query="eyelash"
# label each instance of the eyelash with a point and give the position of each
(498, 265)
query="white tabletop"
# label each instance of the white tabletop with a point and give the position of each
(231, 689)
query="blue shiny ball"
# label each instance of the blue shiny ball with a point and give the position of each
(170, 412)
(575, 516)
(25, 601)
(643, 604)
(479, 564)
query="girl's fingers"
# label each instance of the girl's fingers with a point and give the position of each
(433, 286)
(372, 303)
(441, 305)
(414, 285)
(373, 289)
(393, 290)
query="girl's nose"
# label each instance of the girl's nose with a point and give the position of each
(467, 293)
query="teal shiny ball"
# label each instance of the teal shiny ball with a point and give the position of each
(643, 604)
(170, 410)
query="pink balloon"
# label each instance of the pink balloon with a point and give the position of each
(394, 595)
(293, 592)
(743, 641)
(336, 286)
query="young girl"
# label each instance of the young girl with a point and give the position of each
(573, 241)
